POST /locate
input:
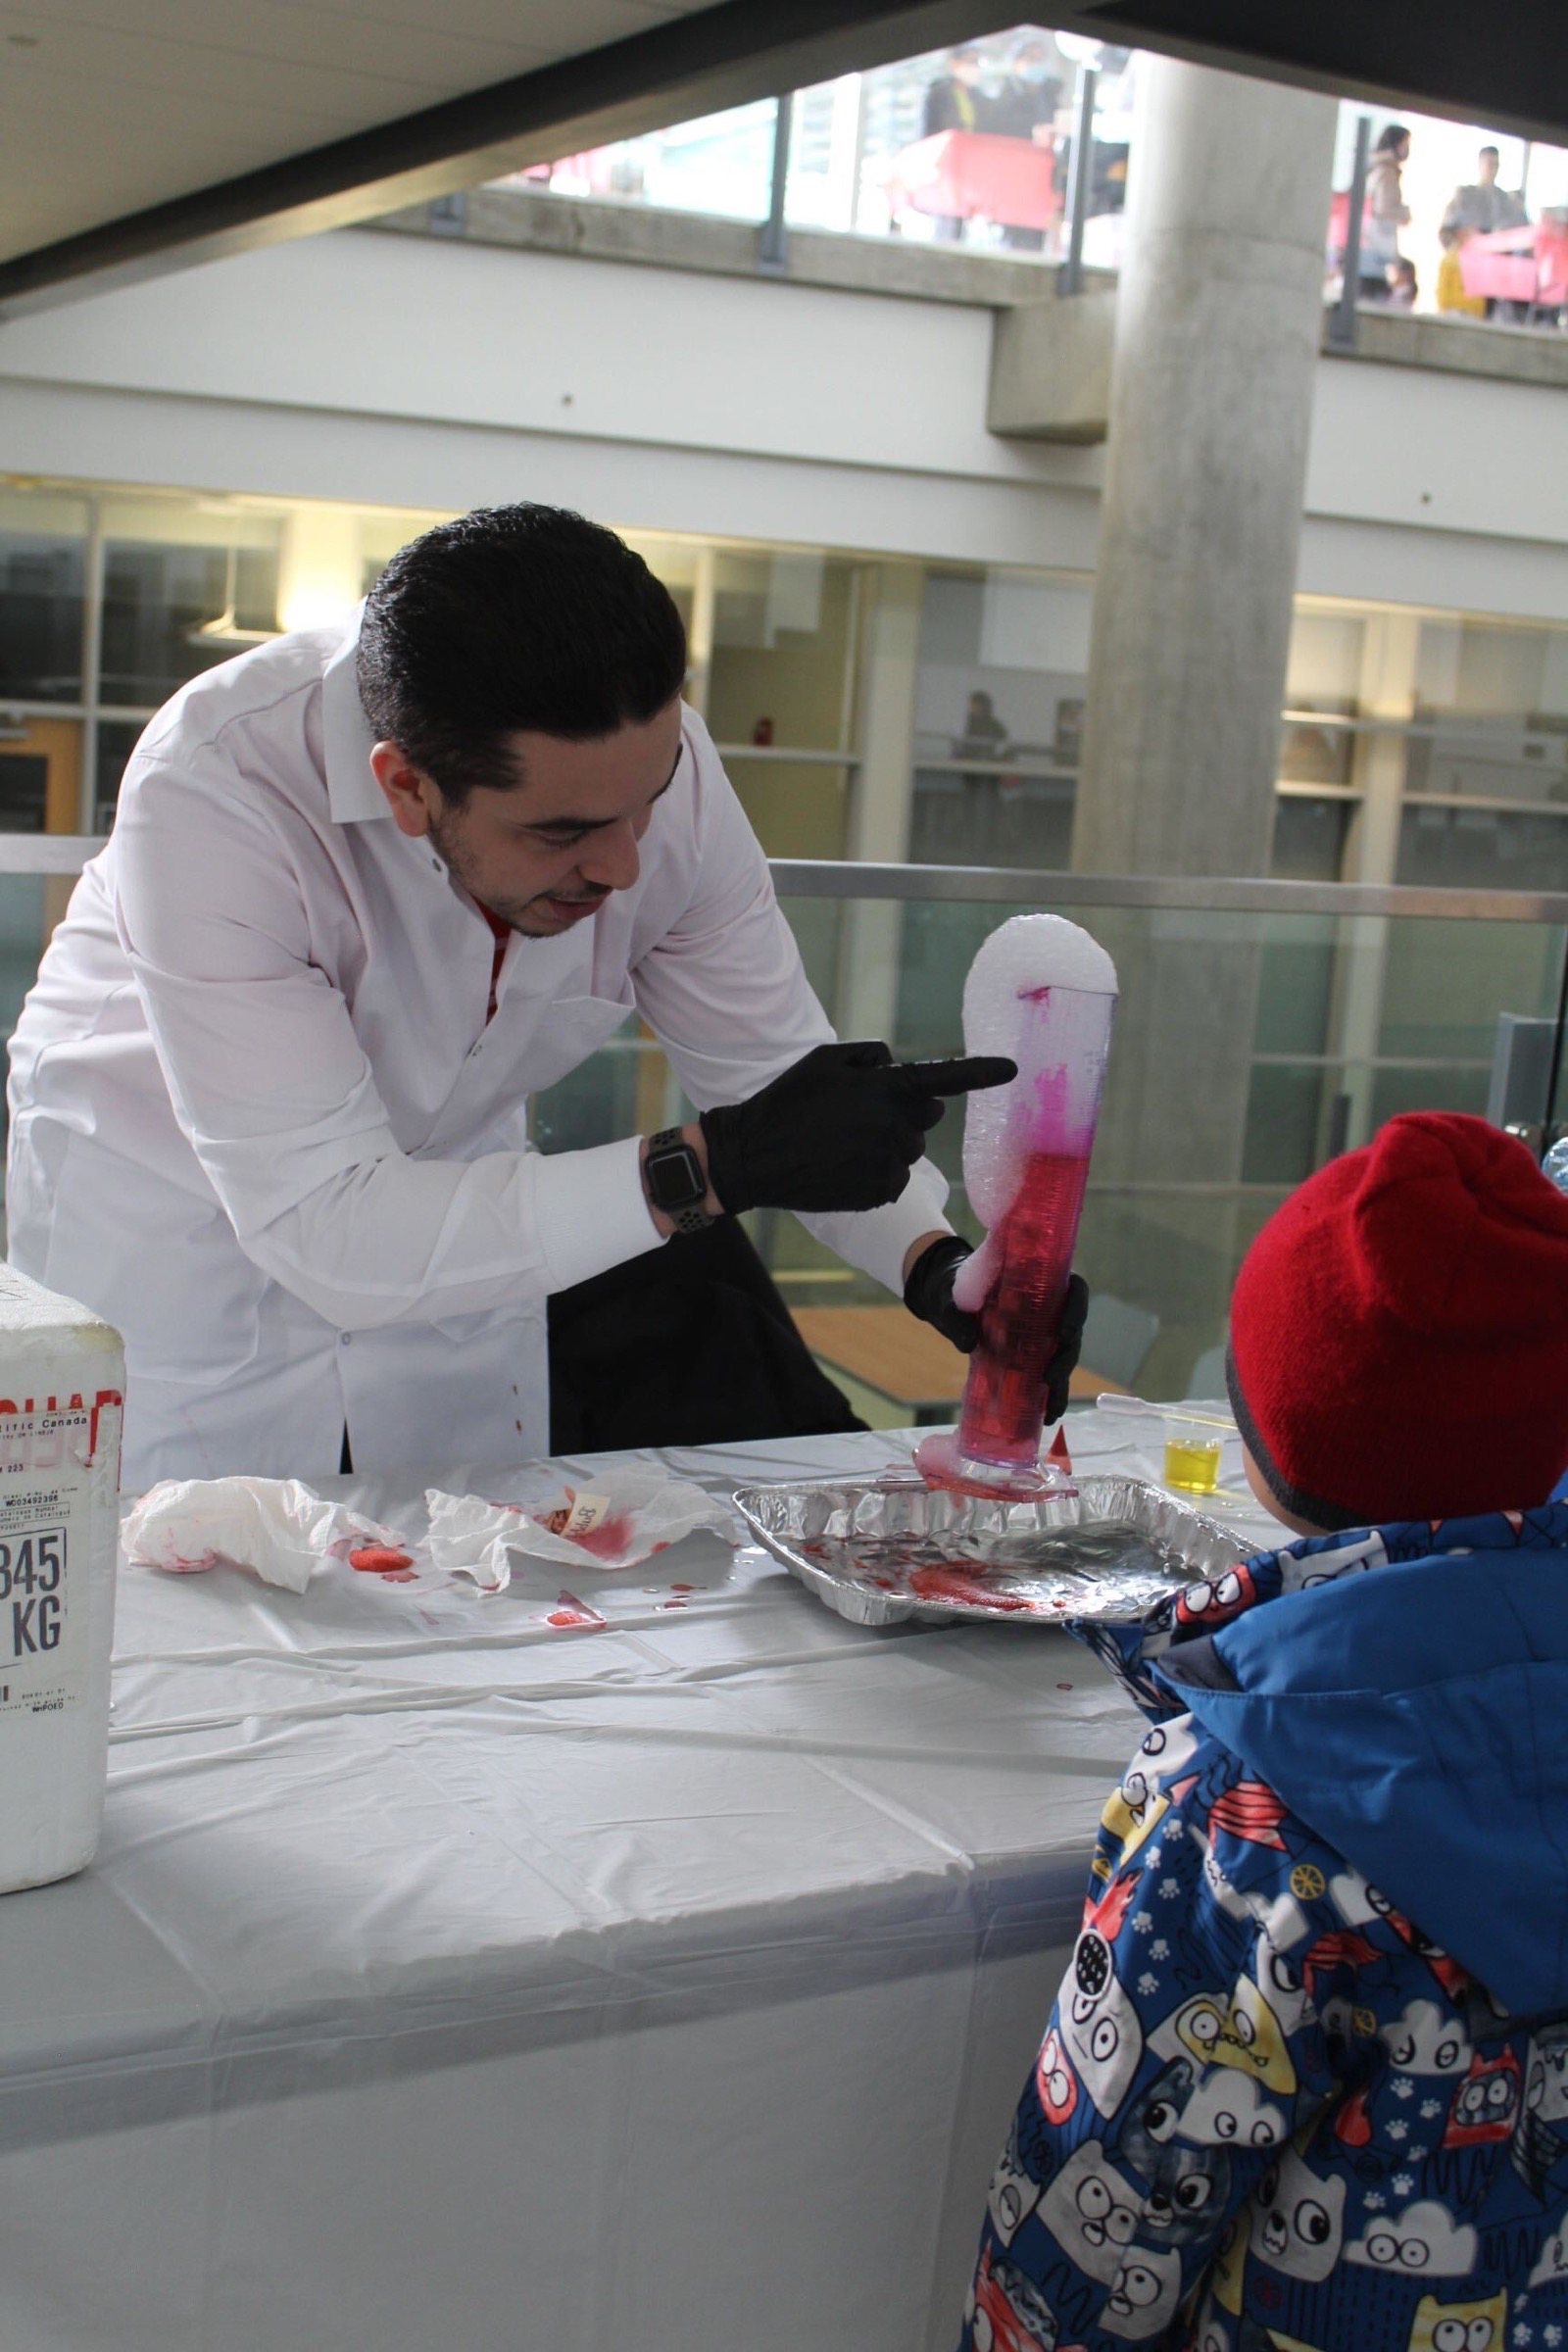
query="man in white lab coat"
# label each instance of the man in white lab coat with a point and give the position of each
(368, 888)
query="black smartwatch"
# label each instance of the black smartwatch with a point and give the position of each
(675, 1181)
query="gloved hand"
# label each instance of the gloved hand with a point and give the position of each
(841, 1129)
(928, 1294)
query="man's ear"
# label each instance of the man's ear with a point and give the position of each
(414, 799)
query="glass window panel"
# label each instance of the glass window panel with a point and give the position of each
(1483, 849)
(171, 611)
(117, 740)
(1310, 838)
(978, 817)
(999, 717)
(42, 568)
(1446, 982)
(1397, 1091)
(1323, 669)
(382, 532)
(797, 809)
(1296, 985)
(24, 791)
(783, 633)
(1284, 1123)
(1314, 752)
(1497, 699)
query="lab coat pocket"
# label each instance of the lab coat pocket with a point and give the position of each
(518, 1056)
(570, 1032)
(162, 1264)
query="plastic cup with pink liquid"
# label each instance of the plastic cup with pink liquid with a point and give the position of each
(1044, 992)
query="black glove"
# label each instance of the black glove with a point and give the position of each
(841, 1129)
(928, 1294)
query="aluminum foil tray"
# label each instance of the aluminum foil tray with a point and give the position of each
(884, 1550)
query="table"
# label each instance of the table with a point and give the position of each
(446, 1978)
(1528, 263)
(964, 173)
(887, 1350)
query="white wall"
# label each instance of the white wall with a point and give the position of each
(429, 372)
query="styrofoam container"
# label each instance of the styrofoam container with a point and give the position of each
(62, 1389)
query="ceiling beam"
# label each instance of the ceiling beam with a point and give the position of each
(1504, 69)
(690, 66)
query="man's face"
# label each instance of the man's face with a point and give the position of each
(548, 851)
(966, 69)
(1488, 166)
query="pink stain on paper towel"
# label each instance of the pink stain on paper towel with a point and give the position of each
(571, 1615)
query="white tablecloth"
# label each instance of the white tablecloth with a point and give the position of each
(446, 1980)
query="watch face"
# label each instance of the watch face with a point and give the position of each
(676, 1178)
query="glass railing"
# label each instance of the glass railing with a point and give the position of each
(974, 149)
(1263, 1027)
(969, 148)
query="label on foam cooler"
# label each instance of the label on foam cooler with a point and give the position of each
(45, 1515)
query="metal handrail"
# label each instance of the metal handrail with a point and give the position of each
(1198, 894)
(1017, 886)
(47, 853)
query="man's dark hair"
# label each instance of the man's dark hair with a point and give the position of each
(1493, 152)
(513, 618)
(1393, 135)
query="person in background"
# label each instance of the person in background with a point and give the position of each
(1026, 104)
(1306, 2081)
(984, 737)
(1402, 286)
(1480, 204)
(954, 101)
(1386, 212)
(1025, 108)
(984, 731)
(1451, 294)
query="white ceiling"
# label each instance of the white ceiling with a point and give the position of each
(109, 106)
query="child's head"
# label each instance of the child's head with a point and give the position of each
(1399, 1331)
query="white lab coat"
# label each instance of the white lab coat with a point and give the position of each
(260, 1122)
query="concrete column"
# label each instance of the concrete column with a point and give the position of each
(1218, 317)
(877, 827)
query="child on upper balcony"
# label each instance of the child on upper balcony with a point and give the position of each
(1305, 2086)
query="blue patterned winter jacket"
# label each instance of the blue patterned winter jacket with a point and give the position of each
(1306, 2086)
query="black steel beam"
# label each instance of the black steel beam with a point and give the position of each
(1505, 66)
(690, 66)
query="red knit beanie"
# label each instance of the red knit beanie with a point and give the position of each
(1400, 1331)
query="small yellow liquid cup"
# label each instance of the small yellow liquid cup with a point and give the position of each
(1191, 1461)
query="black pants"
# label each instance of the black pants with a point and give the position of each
(690, 1344)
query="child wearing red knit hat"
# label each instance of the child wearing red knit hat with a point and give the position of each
(1306, 2086)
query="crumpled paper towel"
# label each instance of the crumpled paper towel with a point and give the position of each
(619, 1517)
(273, 1524)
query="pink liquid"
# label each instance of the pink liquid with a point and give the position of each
(1005, 1394)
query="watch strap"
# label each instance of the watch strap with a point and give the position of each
(693, 1218)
